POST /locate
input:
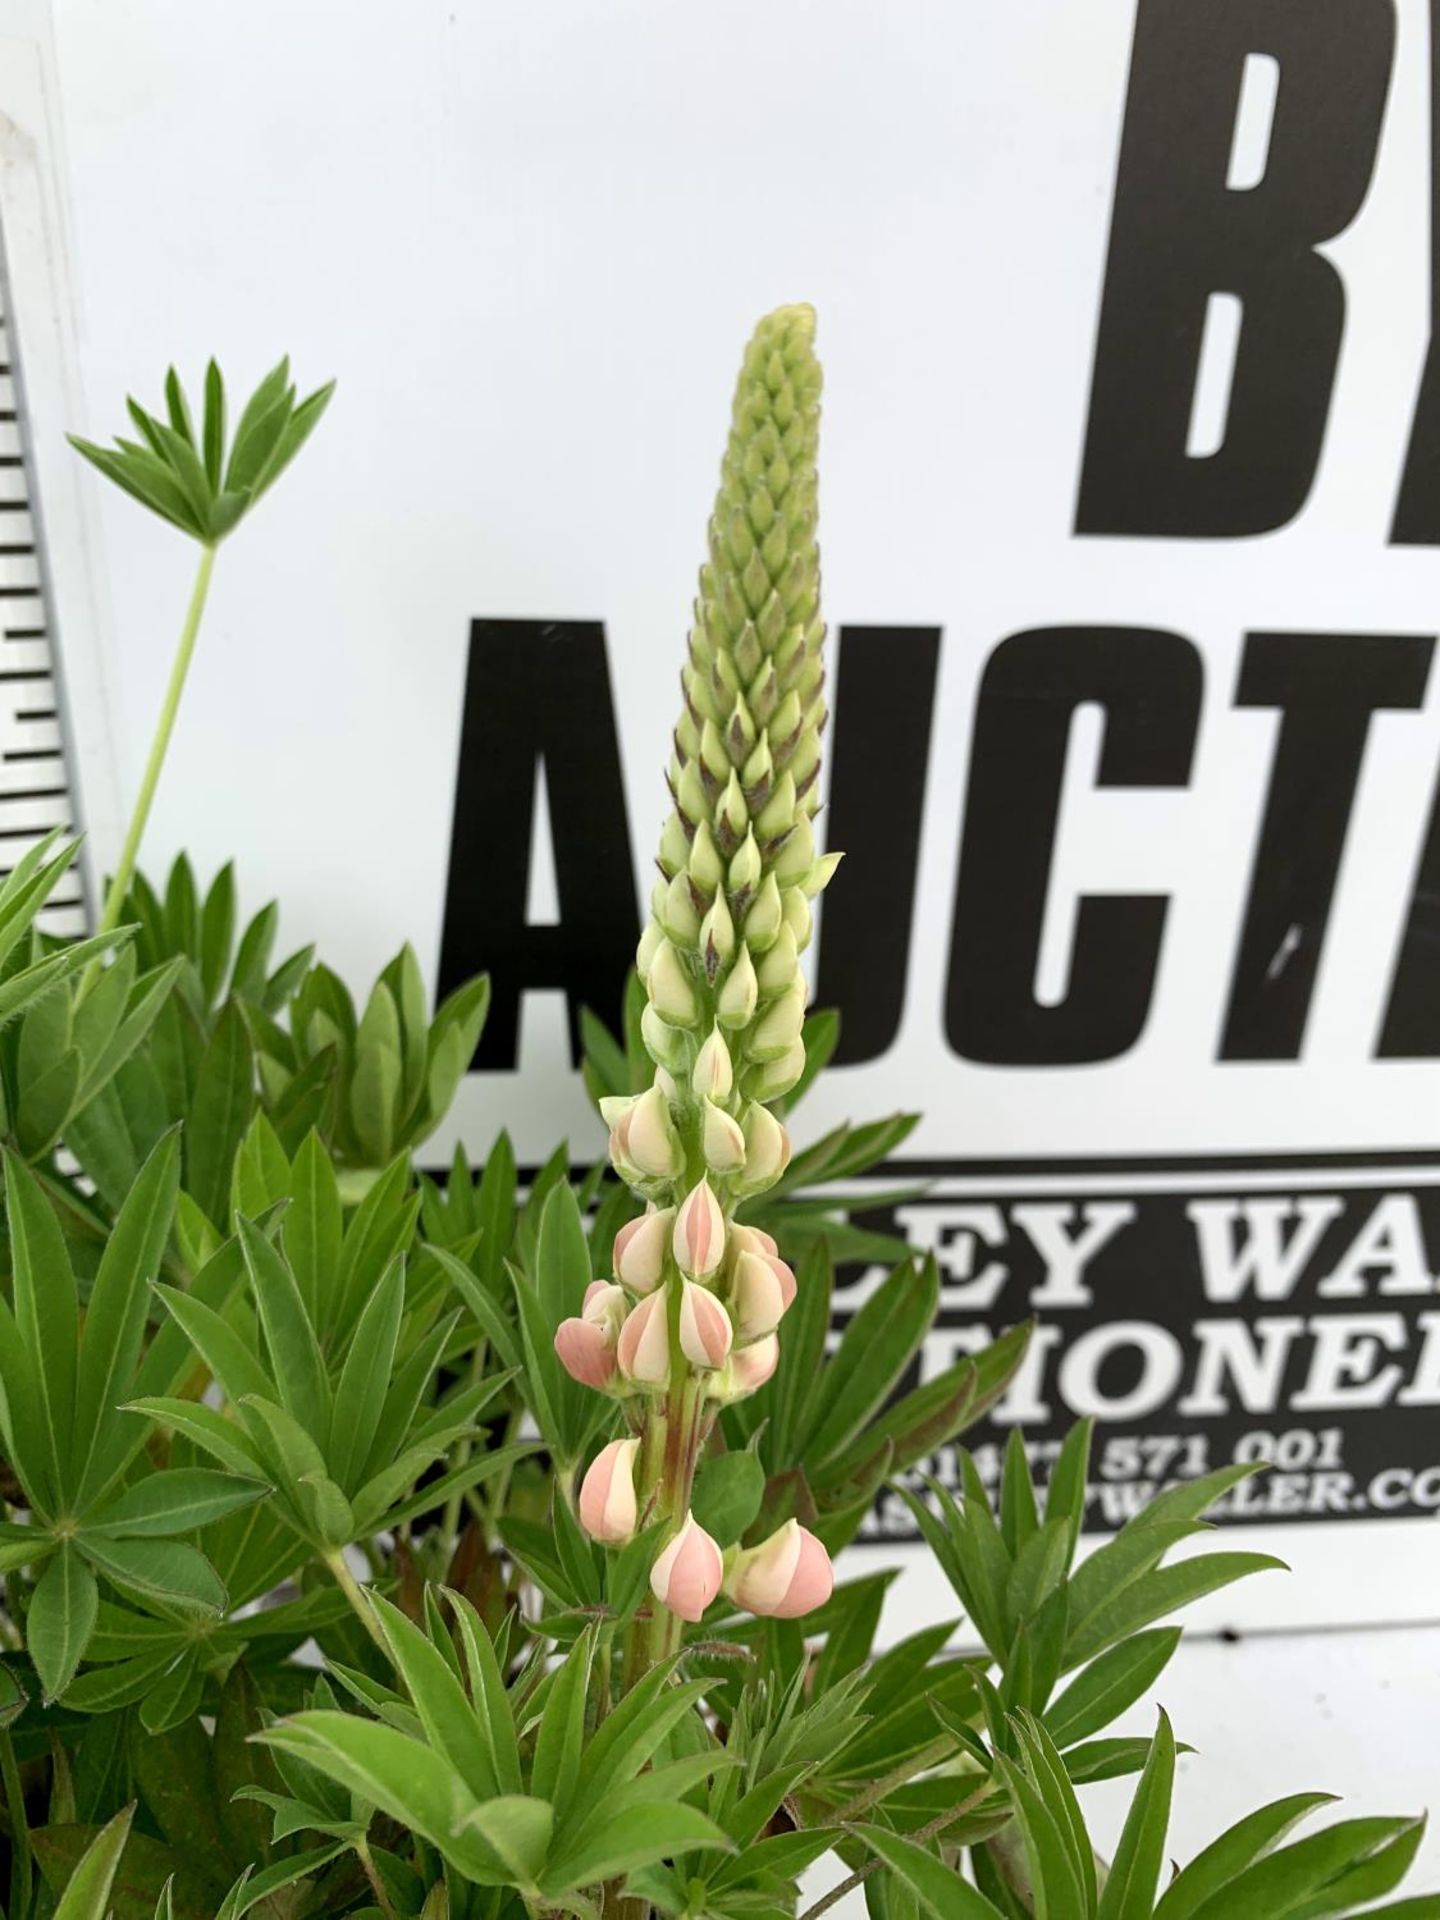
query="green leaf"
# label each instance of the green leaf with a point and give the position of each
(1110, 1684)
(517, 1829)
(295, 1358)
(631, 1838)
(487, 1688)
(728, 1492)
(87, 1892)
(219, 1114)
(313, 1223)
(165, 1570)
(560, 1737)
(1307, 1879)
(450, 1723)
(214, 428)
(365, 1377)
(1135, 1872)
(115, 1320)
(61, 1619)
(1159, 1593)
(1236, 1849)
(874, 1351)
(177, 1501)
(46, 1317)
(940, 1892)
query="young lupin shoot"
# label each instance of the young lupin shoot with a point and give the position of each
(690, 1321)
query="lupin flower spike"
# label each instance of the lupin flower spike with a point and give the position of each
(783, 1578)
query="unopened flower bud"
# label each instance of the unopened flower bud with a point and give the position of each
(779, 1027)
(779, 967)
(669, 988)
(777, 816)
(783, 1578)
(764, 1289)
(713, 1074)
(586, 1351)
(751, 1240)
(746, 1371)
(797, 856)
(706, 1335)
(765, 918)
(774, 1077)
(745, 868)
(640, 1250)
(821, 874)
(677, 911)
(667, 1046)
(605, 1306)
(717, 937)
(642, 1138)
(732, 815)
(740, 993)
(643, 1349)
(649, 946)
(767, 1149)
(690, 793)
(707, 869)
(698, 1241)
(798, 917)
(721, 1140)
(687, 1575)
(674, 845)
(608, 1509)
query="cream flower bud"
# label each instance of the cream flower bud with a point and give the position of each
(745, 868)
(677, 910)
(768, 1082)
(798, 917)
(605, 1306)
(781, 965)
(644, 1140)
(706, 867)
(778, 813)
(640, 1250)
(706, 1335)
(721, 1140)
(733, 815)
(687, 1575)
(586, 1351)
(698, 1241)
(740, 993)
(674, 845)
(765, 917)
(767, 1148)
(752, 1240)
(764, 1287)
(797, 856)
(821, 874)
(608, 1510)
(778, 1028)
(669, 988)
(713, 1075)
(717, 937)
(783, 1578)
(643, 1349)
(667, 1046)
(649, 945)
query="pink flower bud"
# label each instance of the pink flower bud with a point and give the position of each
(750, 1367)
(643, 1350)
(586, 1352)
(705, 1331)
(687, 1575)
(786, 1576)
(640, 1249)
(751, 1240)
(605, 1306)
(607, 1494)
(699, 1236)
(764, 1289)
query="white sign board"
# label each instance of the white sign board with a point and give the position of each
(1131, 509)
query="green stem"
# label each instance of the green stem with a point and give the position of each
(150, 780)
(459, 1454)
(19, 1829)
(355, 1594)
(930, 1831)
(372, 1874)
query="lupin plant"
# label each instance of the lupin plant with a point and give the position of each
(690, 1322)
(336, 1419)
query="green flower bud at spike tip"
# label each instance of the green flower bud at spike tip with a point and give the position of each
(738, 854)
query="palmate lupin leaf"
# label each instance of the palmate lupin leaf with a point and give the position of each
(187, 476)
